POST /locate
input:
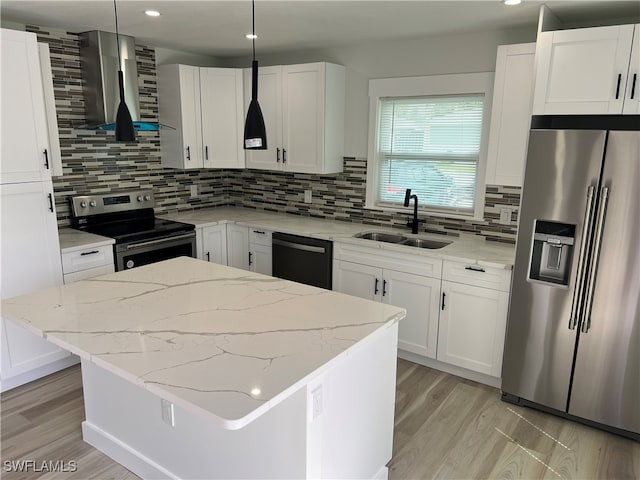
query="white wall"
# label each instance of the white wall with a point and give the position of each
(166, 55)
(462, 53)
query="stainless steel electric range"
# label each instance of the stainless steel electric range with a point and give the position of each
(128, 218)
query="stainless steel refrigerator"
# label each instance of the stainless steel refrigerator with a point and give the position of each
(573, 337)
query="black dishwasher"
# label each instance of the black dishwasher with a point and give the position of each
(302, 259)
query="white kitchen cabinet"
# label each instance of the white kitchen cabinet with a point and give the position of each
(510, 114)
(30, 259)
(303, 109)
(203, 111)
(25, 146)
(586, 71)
(87, 263)
(418, 294)
(632, 94)
(211, 244)
(473, 317)
(260, 251)
(238, 246)
(55, 154)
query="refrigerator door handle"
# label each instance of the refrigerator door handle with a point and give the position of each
(591, 283)
(576, 303)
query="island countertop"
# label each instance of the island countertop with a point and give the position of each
(216, 340)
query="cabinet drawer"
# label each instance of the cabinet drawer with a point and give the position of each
(260, 236)
(89, 273)
(87, 258)
(478, 275)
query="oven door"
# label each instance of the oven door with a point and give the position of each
(131, 255)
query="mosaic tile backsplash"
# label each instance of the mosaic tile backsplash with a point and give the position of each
(94, 163)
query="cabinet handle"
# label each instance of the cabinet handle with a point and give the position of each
(633, 86)
(206, 152)
(46, 158)
(375, 287)
(208, 257)
(277, 155)
(259, 231)
(250, 261)
(284, 155)
(618, 87)
(443, 297)
(50, 202)
(475, 269)
(92, 252)
(384, 288)
(188, 154)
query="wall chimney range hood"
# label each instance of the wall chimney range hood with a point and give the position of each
(99, 64)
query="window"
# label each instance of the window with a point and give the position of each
(432, 143)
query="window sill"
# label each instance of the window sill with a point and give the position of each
(409, 211)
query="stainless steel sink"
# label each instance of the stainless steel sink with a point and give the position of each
(425, 243)
(382, 237)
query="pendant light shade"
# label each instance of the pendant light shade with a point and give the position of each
(255, 134)
(124, 125)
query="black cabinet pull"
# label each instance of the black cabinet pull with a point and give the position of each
(188, 154)
(384, 288)
(206, 152)
(475, 269)
(92, 252)
(443, 297)
(375, 287)
(277, 155)
(633, 86)
(259, 231)
(250, 261)
(208, 257)
(284, 155)
(618, 87)
(50, 202)
(46, 158)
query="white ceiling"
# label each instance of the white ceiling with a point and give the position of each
(217, 28)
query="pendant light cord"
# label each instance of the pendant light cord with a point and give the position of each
(115, 9)
(253, 26)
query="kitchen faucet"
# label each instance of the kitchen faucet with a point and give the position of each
(407, 198)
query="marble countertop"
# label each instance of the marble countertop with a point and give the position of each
(467, 248)
(72, 240)
(216, 340)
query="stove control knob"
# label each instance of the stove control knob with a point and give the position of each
(83, 204)
(147, 197)
(139, 198)
(92, 203)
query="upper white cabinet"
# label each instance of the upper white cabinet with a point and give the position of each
(25, 147)
(55, 155)
(587, 71)
(510, 114)
(202, 109)
(303, 110)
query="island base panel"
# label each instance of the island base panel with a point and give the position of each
(350, 438)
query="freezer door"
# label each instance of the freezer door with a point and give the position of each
(606, 384)
(562, 165)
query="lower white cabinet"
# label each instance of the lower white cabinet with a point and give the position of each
(87, 263)
(211, 244)
(238, 246)
(473, 318)
(260, 251)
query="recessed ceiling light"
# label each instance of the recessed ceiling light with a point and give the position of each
(152, 13)
(512, 2)
(251, 36)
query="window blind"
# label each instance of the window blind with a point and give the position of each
(431, 145)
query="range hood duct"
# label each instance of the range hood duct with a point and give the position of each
(99, 64)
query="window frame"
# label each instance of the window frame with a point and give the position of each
(432, 85)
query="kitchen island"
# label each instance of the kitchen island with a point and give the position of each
(198, 370)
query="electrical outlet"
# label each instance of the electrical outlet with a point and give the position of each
(505, 216)
(307, 196)
(316, 400)
(167, 412)
(194, 191)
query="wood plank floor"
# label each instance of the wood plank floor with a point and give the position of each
(445, 427)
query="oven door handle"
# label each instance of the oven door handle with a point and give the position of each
(299, 246)
(160, 240)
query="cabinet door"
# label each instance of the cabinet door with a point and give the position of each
(303, 117)
(30, 262)
(582, 71)
(238, 246)
(420, 296)
(472, 327)
(214, 244)
(510, 114)
(632, 93)
(221, 98)
(260, 259)
(190, 112)
(55, 155)
(358, 280)
(25, 146)
(270, 100)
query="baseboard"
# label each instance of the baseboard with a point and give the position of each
(452, 369)
(382, 474)
(123, 453)
(36, 373)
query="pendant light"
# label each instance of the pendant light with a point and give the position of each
(255, 135)
(124, 124)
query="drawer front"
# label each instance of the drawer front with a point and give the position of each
(89, 273)
(260, 236)
(88, 258)
(477, 275)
